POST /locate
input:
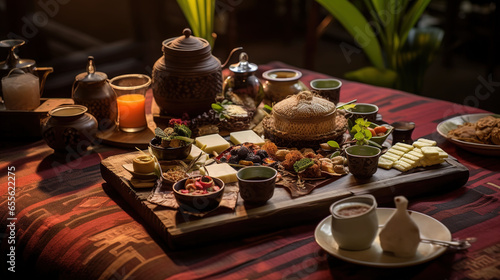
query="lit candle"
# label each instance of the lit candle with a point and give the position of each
(131, 112)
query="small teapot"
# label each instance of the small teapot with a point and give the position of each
(27, 65)
(93, 90)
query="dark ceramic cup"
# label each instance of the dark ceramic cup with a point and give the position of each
(362, 160)
(257, 183)
(363, 110)
(327, 88)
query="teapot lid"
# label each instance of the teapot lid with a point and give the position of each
(243, 66)
(187, 42)
(13, 60)
(91, 75)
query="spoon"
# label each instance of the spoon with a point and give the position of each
(459, 244)
(340, 106)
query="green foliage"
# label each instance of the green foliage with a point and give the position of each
(200, 16)
(302, 164)
(361, 132)
(382, 29)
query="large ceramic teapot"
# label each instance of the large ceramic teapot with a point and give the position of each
(187, 78)
(27, 65)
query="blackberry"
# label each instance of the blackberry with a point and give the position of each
(243, 152)
(262, 154)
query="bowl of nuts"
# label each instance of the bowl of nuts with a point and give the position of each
(173, 143)
(198, 194)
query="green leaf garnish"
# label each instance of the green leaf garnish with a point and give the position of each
(333, 144)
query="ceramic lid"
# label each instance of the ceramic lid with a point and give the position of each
(187, 42)
(91, 76)
(243, 66)
(304, 105)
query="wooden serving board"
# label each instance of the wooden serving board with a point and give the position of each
(181, 230)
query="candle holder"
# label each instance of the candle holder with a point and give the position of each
(131, 91)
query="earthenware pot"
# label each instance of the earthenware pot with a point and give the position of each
(69, 129)
(281, 83)
(187, 78)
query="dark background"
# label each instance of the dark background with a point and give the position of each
(125, 37)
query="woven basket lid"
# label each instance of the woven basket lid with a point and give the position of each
(304, 105)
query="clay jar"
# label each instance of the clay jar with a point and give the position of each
(187, 78)
(92, 90)
(69, 129)
(281, 83)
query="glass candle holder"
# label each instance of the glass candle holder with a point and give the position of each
(131, 90)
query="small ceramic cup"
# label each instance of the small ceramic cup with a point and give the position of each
(327, 88)
(363, 110)
(362, 160)
(257, 183)
(355, 222)
(402, 132)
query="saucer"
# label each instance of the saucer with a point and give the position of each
(130, 168)
(429, 228)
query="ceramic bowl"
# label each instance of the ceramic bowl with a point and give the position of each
(162, 153)
(198, 203)
(381, 139)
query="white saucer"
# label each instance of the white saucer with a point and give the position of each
(130, 168)
(429, 228)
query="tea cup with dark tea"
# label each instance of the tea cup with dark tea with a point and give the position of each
(256, 183)
(355, 222)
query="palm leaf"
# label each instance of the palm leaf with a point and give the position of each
(357, 25)
(411, 18)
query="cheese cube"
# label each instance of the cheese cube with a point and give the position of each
(195, 152)
(212, 143)
(396, 152)
(240, 137)
(431, 142)
(430, 151)
(391, 157)
(411, 157)
(385, 163)
(420, 144)
(402, 147)
(222, 171)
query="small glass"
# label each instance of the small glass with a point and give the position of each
(131, 91)
(402, 132)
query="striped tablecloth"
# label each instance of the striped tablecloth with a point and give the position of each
(68, 223)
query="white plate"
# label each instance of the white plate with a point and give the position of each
(429, 228)
(484, 149)
(130, 168)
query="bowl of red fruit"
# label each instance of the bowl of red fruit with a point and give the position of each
(380, 132)
(199, 194)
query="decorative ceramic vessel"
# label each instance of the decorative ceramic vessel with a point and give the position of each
(187, 78)
(92, 90)
(362, 160)
(281, 83)
(69, 129)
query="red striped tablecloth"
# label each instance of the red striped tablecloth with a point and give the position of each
(70, 224)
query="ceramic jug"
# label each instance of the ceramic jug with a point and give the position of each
(92, 90)
(187, 78)
(27, 65)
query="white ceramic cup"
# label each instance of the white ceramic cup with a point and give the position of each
(355, 222)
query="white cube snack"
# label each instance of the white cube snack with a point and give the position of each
(240, 137)
(212, 143)
(222, 171)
